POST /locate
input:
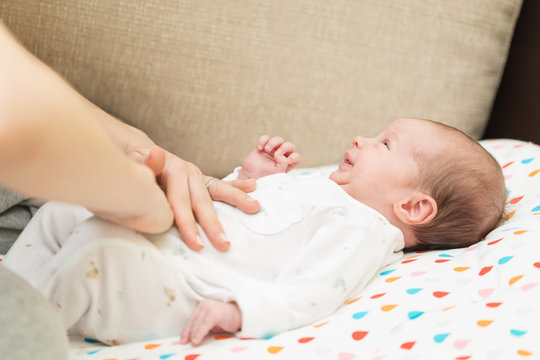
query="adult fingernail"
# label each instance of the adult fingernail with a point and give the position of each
(199, 240)
(224, 238)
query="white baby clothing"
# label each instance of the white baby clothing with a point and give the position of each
(299, 259)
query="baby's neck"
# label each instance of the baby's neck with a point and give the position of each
(388, 213)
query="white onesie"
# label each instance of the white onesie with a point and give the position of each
(298, 260)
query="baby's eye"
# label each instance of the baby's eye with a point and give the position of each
(386, 143)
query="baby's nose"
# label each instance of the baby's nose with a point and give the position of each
(359, 141)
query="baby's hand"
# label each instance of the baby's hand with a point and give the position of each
(271, 156)
(211, 316)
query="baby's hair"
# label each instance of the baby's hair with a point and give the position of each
(468, 186)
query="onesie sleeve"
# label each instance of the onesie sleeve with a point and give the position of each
(340, 255)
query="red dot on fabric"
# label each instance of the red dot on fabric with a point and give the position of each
(440, 294)
(305, 340)
(408, 345)
(359, 335)
(494, 241)
(516, 200)
(485, 270)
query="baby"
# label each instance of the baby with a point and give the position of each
(316, 241)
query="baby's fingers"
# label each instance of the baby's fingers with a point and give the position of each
(293, 160)
(263, 140)
(286, 149)
(273, 144)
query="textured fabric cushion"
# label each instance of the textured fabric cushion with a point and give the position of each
(206, 78)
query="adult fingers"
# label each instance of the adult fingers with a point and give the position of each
(233, 194)
(203, 208)
(178, 195)
(156, 160)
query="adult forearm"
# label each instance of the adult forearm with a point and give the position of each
(51, 147)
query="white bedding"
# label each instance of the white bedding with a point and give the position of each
(479, 302)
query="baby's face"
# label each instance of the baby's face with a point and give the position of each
(379, 171)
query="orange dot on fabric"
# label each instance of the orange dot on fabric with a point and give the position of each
(515, 279)
(461, 268)
(274, 349)
(524, 353)
(305, 340)
(534, 173)
(449, 308)
(408, 345)
(519, 232)
(484, 323)
(353, 300)
(466, 357)
(516, 200)
(392, 279)
(151, 346)
(321, 324)
(508, 216)
(388, 307)
(359, 335)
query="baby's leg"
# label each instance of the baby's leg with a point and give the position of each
(115, 286)
(43, 237)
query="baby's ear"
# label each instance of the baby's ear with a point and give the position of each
(417, 209)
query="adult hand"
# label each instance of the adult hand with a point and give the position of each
(191, 201)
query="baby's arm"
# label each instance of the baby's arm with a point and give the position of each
(211, 316)
(271, 156)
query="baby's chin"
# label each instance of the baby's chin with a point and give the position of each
(336, 176)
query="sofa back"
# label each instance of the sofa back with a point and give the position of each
(205, 78)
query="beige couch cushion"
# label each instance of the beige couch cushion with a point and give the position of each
(205, 78)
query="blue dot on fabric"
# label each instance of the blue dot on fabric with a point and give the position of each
(439, 338)
(518, 332)
(526, 161)
(166, 356)
(536, 208)
(387, 272)
(93, 352)
(414, 291)
(359, 315)
(510, 229)
(446, 255)
(505, 259)
(415, 314)
(91, 341)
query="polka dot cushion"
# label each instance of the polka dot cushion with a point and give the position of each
(479, 302)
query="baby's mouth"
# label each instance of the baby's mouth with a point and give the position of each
(347, 159)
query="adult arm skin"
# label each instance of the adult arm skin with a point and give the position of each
(52, 147)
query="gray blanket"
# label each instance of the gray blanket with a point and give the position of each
(15, 212)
